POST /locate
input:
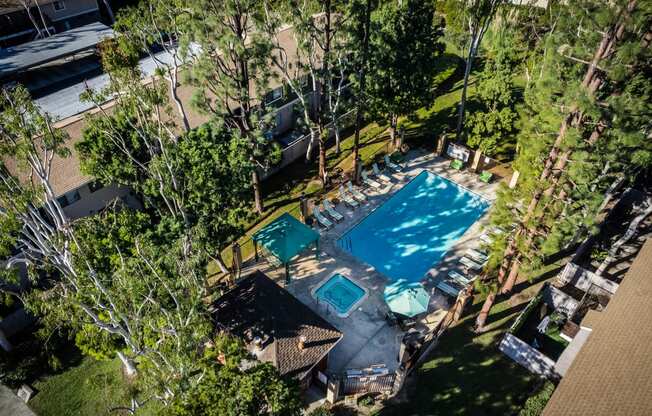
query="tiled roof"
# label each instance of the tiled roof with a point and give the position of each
(612, 374)
(259, 307)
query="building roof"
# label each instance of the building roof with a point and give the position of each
(286, 237)
(612, 373)
(41, 51)
(258, 307)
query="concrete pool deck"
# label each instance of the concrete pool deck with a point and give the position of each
(368, 339)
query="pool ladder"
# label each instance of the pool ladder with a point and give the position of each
(348, 244)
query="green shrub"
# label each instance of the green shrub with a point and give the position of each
(537, 402)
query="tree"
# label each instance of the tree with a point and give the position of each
(360, 36)
(149, 305)
(492, 125)
(474, 16)
(317, 65)
(231, 73)
(400, 82)
(159, 23)
(228, 389)
(566, 172)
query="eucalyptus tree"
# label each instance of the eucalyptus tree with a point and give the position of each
(313, 66)
(231, 72)
(130, 297)
(160, 24)
(405, 44)
(582, 134)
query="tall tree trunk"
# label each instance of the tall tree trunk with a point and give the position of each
(393, 122)
(475, 41)
(258, 199)
(511, 278)
(323, 176)
(631, 232)
(28, 10)
(484, 312)
(127, 364)
(40, 12)
(364, 28)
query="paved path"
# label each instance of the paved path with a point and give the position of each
(12, 405)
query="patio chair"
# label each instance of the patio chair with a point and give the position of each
(356, 194)
(330, 210)
(369, 181)
(485, 238)
(460, 278)
(323, 221)
(486, 176)
(347, 199)
(448, 288)
(476, 255)
(470, 264)
(457, 164)
(379, 174)
(393, 166)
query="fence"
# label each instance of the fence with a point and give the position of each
(368, 384)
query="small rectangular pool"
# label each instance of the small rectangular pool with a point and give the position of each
(404, 237)
(341, 293)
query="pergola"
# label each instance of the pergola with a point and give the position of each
(284, 238)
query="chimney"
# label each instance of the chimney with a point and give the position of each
(302, 342)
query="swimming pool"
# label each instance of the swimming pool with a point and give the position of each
(411, 231)
(341, 293)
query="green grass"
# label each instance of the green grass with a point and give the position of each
(466, 373)
(91, 388)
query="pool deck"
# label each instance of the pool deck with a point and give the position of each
(368, 339)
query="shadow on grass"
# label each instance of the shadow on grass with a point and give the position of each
(467, 374)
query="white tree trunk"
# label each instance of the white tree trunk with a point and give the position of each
(127, 364)
(631, 231)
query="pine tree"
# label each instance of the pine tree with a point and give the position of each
(578, 82)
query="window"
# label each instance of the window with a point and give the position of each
(72, 197)
(62, 201)
(59, 5)
(274, 95)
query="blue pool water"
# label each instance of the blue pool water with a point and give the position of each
(410, 232)
(340, 292)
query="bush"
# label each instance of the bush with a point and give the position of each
(537, 402)
(321, 411)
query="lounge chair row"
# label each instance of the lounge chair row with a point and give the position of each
(325, 212)
(472, 262)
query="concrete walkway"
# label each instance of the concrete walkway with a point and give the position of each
(12, 405)
(368, 339)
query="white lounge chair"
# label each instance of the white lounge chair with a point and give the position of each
(393, 166)
(347, 199)
(356, 194)
(486, 239)
(470, 264)
(476, 255)
(330, 210)
(323, 221)
(460, 278)
(379, 174)
(369, 181)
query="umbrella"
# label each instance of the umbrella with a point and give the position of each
(407, 298)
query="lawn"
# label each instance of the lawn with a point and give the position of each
(467, 374)
(90, 388)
